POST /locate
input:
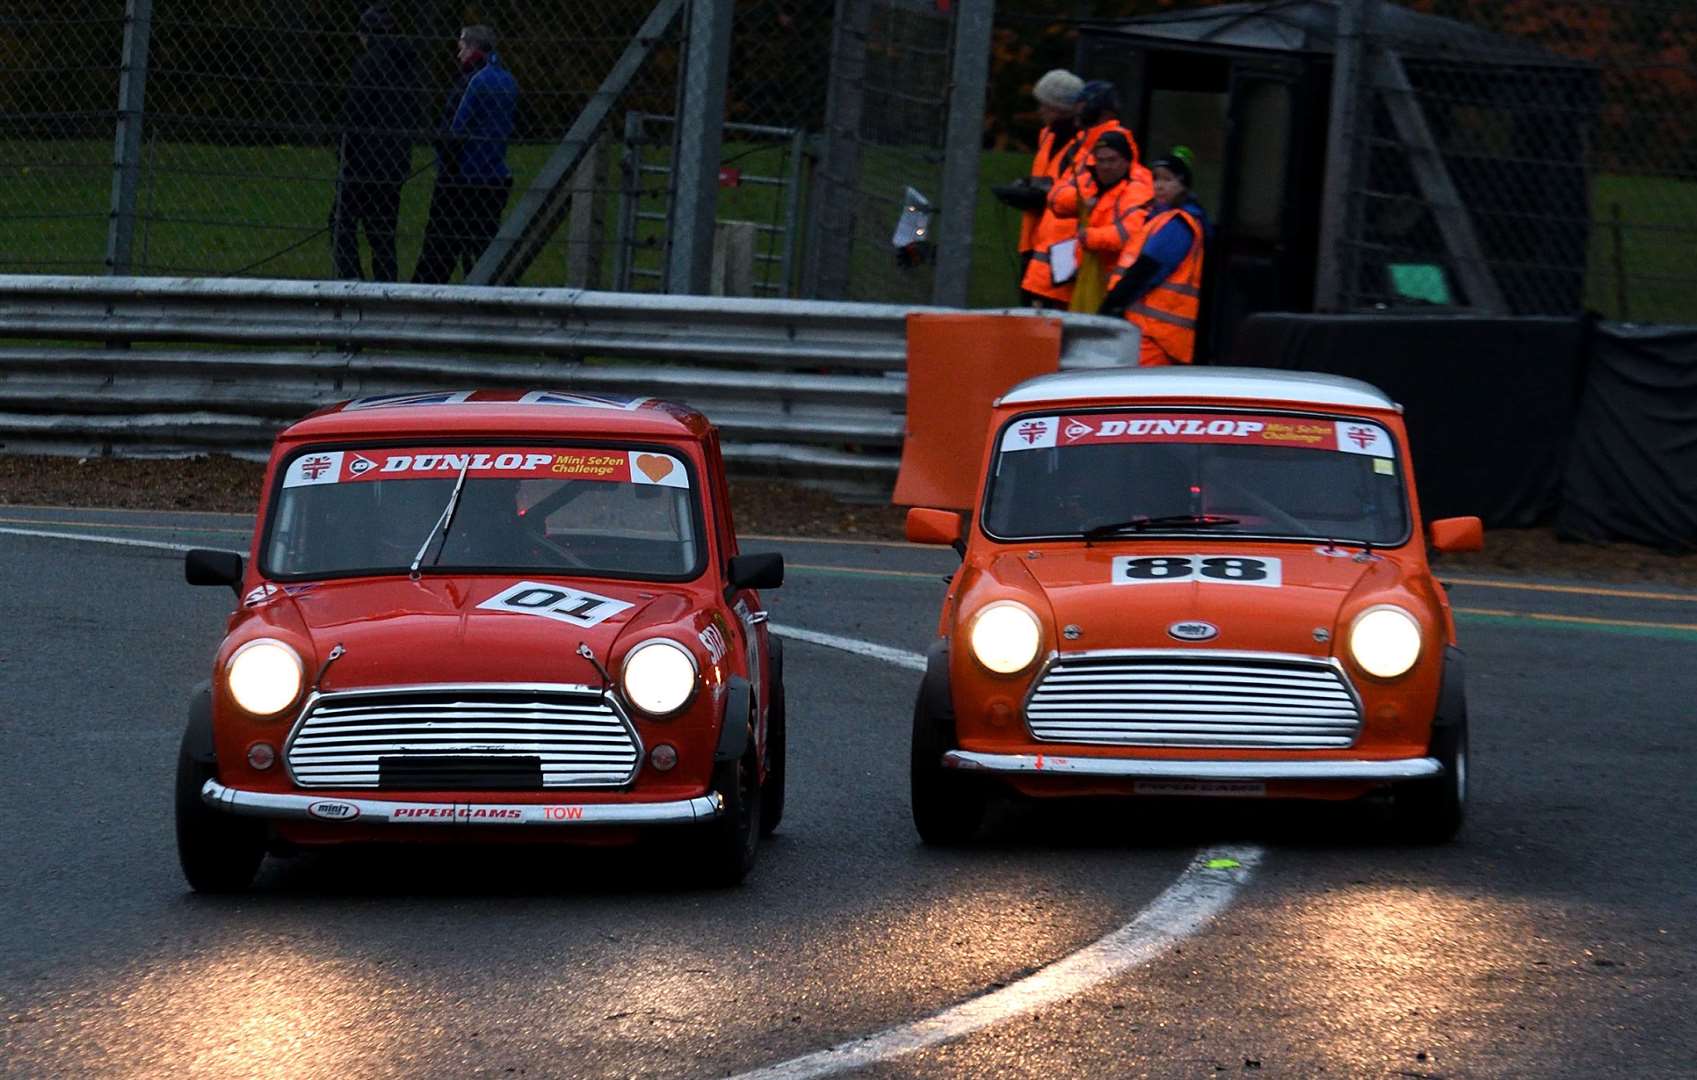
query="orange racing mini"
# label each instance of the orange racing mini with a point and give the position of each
(487, 615)
(1193, 582)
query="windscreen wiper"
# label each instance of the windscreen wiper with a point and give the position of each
(442, 525)
(1138, 524)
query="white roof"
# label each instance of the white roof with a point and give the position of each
(1221, 383)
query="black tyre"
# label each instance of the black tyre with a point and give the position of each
(1432, 811)
(777, 750)
(948, 808)
(726, 854)
(220, 853)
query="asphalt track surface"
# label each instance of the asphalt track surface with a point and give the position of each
(1556, 937)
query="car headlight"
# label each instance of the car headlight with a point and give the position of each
(1006, 636)
(265, 676)
(1385, 641)
(659, 677)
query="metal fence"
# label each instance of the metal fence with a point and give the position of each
(1538, 157)
(805, 387)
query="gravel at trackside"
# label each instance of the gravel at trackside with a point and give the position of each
(761, 505)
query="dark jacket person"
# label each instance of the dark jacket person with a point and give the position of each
(379, 116)
(472, 178)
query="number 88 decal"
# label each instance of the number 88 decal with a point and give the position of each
(1203, 569)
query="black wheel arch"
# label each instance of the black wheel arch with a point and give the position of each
(733, 726)
(197, 739)
(1452, 690)
(934, 691)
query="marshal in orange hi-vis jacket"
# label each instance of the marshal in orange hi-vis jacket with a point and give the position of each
(1193, 583)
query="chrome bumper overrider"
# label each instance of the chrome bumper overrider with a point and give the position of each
(395, 812)
(1145, 769)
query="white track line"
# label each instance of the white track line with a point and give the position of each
(119, 540)
(1182, 910)
(1186, 907)
(900, 657)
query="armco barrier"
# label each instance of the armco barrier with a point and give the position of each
(174, 366)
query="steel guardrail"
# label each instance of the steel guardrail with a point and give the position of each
(186, 365)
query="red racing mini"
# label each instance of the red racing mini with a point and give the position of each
(1194, 582)
(486, 616)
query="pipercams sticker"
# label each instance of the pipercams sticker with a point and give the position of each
(557, 602)
(534, 463)
(1345, 436)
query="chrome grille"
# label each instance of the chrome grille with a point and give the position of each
(344, 739)
(1194, 699)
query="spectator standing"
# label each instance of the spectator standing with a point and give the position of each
(472, 178)
(1105, 203)
(1157, 284)
(1098, 114)
(379, 116)
(1056, 93)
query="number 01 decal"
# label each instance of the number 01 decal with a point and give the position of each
(1204, 569)
(555, 602)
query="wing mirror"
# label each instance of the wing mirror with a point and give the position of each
(764, 571)
(928, 526)
(204, 566)
(1458, 534)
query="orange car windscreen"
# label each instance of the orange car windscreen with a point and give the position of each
(1131, 471)
(596, 511)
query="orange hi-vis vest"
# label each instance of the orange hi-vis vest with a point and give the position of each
(1165, 316)
(1115, 220)
(1053, 229)
(1053, 161)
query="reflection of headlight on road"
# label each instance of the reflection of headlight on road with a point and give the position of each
(265, 676)
(1005, 637)
(659, 676)
(1385, 641)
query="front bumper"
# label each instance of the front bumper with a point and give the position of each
(1146, 769)
(384, 811)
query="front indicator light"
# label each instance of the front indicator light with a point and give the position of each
(265, 676)
(1385, 641)
(659, 677)
(1005, 637)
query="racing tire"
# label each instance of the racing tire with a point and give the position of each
(219, 853)
(948, 808)
(727, 852)
(777, 751)
(1432, 811)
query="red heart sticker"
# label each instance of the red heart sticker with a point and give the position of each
(655, 467)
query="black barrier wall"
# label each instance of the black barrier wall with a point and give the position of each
(1489, 403)
(1632, 472)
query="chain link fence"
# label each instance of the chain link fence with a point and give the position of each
(1530, 157)
(264, 137)
(1536, 157)
(254, 121)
